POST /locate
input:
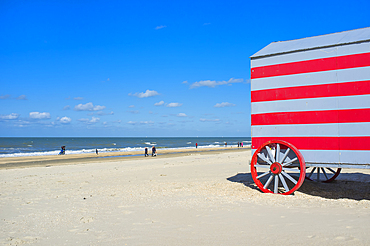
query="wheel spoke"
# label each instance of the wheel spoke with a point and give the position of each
(263, 175)
(291, 170)
(276, 184)
(285, 155)
(289, 177)
(270, 154)
(318, 174)
(264, 158)
(284, 183)
(323, 171)
(268, 181)
(331, 170)
(290, 162)
(277, 151)
(262, 166)
(313, 170)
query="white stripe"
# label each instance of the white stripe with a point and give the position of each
(312, 54)
(336, 156)
(355, 156)
(320, 156)
(318, 78)
(312, 104)
(360, 157)
(313, 130)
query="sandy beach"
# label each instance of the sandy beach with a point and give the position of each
(197, 197)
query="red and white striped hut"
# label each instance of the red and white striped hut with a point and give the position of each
(310, 109)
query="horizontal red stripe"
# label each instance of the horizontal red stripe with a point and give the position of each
(309, 66)
(312, 117)
(313, 91)
(319, 143)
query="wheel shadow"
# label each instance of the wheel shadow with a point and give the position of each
(354, 186)
(244, 178)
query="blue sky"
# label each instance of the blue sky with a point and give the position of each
(145, 68)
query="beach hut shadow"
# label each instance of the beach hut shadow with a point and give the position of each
(244, 178)
(354, 186)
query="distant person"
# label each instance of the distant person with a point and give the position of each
(196, 145)
(238, 144)
(154, 151)
(63, 150)
(241, 144)
(146, 152)
(225, 144)
(96, 151)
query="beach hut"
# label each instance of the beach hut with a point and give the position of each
(310, 109)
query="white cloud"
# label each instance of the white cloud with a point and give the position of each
(66, 107)
(147, 93)
(22, 97)
(213, 83)
(159, 103)
(64, 120)
(209, 120)
(134, 111)
(181, 115)
(88, 107)
(98, 107)
(159, 27)
(5, 96)
(12, 116)
(103, 113)
(131, 106)
(173, 105)
(185, 82)
(140, 123)
(78, 98)
(224, 104)
(38, 115)
(93, 120)
(146, 122)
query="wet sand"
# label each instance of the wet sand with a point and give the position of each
(72, 159)
(191, 198)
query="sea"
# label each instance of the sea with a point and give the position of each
(40, 146)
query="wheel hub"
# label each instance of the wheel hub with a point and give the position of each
(276, 168)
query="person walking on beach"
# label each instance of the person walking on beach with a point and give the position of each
(146, 152)
(196, 145)
(63, 150)
(96, 151)
(154, 151)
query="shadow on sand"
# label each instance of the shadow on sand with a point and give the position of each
(355, 186)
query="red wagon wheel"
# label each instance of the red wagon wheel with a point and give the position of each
(281, 162)
(322, 174)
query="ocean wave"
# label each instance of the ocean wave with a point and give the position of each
(104, 150)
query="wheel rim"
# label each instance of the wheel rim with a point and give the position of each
(278, 167)
(322, 174)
